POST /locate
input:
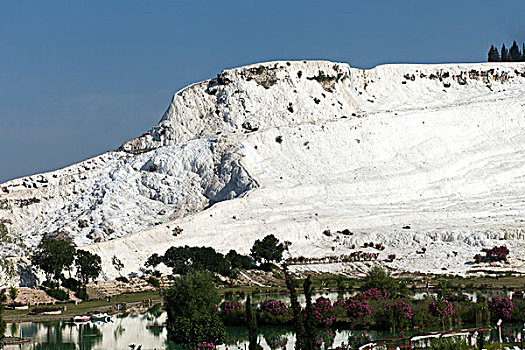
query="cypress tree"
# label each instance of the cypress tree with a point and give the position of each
(252, 324)
(504, 54)
(296, 309)
(493, 54)
(514, 53)
(310, 319)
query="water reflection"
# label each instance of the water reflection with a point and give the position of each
(333, 296)
(118, 334)
(148, 331)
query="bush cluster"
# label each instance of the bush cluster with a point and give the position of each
(58, 294)
(153, 281)
(40, 309)
(122, 279)
(323, 312)
(497, 253)
(275, 308)
(501, 308)
(441, 308)
(356, 308)
(494, 254)
(378, 309)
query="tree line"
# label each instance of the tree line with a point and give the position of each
(54, 256)
(514, 54)
(58, 258)
(182, 260)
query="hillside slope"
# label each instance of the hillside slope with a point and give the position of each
(409, 156)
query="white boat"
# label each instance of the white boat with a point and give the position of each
(81, 319)
(101, 317)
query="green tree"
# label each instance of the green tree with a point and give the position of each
(184, 259)
(493, 54)
(117, 264)
(296, 310)
(189, 303)
(514, 53)
(88, 265)
(238, 261)
(13, 293)
(267, 250)
(310, 334)
(504, 54)
(251, 319)
(153, 261)
(52, 256)
(191, 295)
(178, 258)
(208, 259)
(379, 278)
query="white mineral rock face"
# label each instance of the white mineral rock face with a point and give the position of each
(409, 156)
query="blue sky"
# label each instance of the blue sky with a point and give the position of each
(78, 78)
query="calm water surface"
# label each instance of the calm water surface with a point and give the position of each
(147, 330)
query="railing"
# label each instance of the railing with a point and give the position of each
(402, 342)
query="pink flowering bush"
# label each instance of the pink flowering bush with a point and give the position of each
(275, 308)
(356, 308)
(394, 315)
(232, 313)
(402, 309)
(339, 302)
(323, 311)
(497, 253)
(229, 306)
(501, 308)
(274, 312)
(441, 308)
(373, 294)
(452, 297)
(204, 346)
